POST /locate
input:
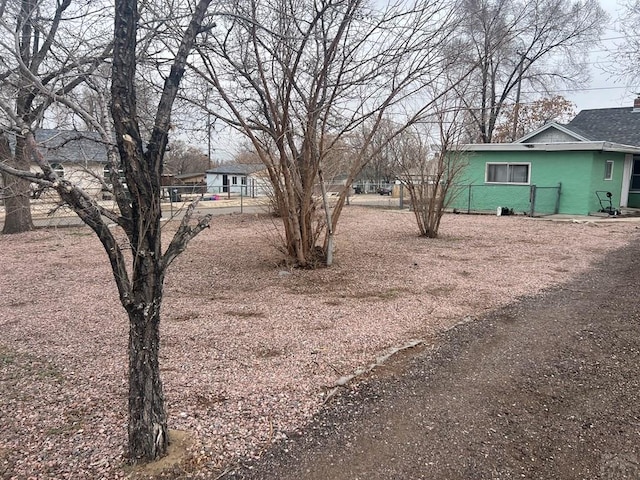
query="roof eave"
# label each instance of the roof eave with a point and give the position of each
(550, 147)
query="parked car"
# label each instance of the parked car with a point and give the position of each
(385, 190)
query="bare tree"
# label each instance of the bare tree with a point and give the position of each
(520, 45)
(628, 51)
(140, 281)
(299, 78)
(42, 45)
(429, 163)
(182, 158)
(247, 156)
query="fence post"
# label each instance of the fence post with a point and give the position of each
(401, 196)
(469, 200)
(557, 209)
(532, 199)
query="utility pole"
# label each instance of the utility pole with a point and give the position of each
(209, 135)
(516, 108)
(209, 91)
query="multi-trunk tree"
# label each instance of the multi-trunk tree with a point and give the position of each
(429, 161)
(302, 81)
(136, 167)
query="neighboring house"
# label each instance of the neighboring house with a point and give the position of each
(79, 157)
(186, 182)
(559, 168)
(248, 179)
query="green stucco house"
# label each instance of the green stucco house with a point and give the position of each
(558, 168)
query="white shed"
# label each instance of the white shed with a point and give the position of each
(248, 179)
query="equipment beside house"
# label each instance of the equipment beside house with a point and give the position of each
(604, 208)
(502, 211)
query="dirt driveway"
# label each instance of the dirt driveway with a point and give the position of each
(546, 388)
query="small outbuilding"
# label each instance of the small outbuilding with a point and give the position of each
(245, 179)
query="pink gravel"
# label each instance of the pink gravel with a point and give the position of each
(249, 348)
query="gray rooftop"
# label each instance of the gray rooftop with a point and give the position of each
(237, 168)
(69, 146)
(617, 125)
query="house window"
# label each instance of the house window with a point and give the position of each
(58, 169)
(507, 173)
(106, 174)
(608, 170)
(244, 180)
(234, 180)
(635, 174)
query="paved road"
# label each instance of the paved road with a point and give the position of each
(546, 388)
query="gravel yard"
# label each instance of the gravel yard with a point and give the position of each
(249, 348)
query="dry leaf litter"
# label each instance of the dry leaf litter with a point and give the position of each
(249, 347)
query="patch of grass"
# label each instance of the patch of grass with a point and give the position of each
(391, 293)
(185, 317)
(531, 241)
(6, 357)
(210, 400)
(322, 325)
(439, 290)
(268, 352)
(244, 313)
(48, 370)
(24, 365)
(387, 294)
(333, 302)
(72, 422)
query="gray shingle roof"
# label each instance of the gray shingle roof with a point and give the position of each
(618, 125)
(69, 146)
(237, 169)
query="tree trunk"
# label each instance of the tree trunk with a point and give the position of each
(17, 206)
(147, 417)
(17, 191)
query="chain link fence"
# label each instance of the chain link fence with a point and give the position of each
(528, 200)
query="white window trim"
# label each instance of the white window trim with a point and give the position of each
(58, 168)
(486, 173)
(610, 177)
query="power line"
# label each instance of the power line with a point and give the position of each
(621, 37)
(586, 89)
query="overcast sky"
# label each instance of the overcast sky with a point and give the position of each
(604, 90)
